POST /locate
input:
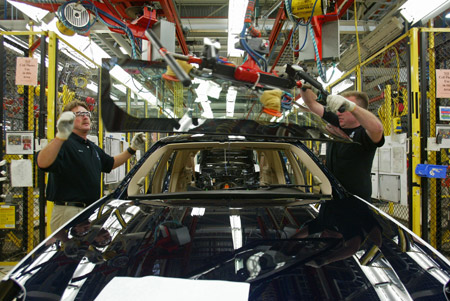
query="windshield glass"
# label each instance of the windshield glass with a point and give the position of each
(203, 170)
(140, 96)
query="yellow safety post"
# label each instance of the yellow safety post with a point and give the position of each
(100, 126)
(415, 130)
(388, 110)
(432, 154)
(52, 88)
(51, 100)
(128, 111)
(358, 77)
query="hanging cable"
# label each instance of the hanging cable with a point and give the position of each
(316, 52)
(286, 101)
(259, 59)
(298, 22)
(253, 54)
(122, 26)
(99, 14)
(304, 41)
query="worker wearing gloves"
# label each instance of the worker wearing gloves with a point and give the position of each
(351, 163)
(347, 217)
(75, 164)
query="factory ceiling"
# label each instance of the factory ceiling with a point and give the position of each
(197, 19)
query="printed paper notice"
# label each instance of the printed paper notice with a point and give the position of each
(19, 142)
(26, 71)
(21, 173)
(444, 113)
(443, 83)
(7, 217)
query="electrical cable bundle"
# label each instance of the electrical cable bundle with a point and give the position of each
(99, 15)
(300, 22)
(286, 101)
(259, 59)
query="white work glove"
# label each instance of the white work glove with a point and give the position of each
(334, 102)
(65, 125)
(138, 141)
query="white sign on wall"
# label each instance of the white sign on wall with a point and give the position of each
(442, 83)
(26, 71)
(21, 173)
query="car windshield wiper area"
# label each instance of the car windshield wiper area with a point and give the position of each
(271, 186)
(232, 198)
(260, 260)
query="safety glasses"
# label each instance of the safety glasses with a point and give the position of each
(83, 114)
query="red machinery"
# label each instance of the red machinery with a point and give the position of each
(135, 19)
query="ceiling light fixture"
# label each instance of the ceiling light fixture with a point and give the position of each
(417, 10)
(342, 86)
(236, 14)
(35, 13)
(82, 43)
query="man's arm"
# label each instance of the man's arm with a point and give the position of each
(310, 99)
(48, 154)
(366, 119)
(121, 158)
(372, 125)
(138, 142)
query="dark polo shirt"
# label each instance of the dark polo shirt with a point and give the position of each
(351, 163)
(75, 175)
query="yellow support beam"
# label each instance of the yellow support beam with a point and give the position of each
(415, 130)
(388, 110)
(100, 129)
(51, 101)
(128, 134)
(8, 263)
(22, 33)
(52, 88)
(14, 239)
(358, 78)
(432, 155)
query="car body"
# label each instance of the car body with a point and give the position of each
(225, 208)
(212, 212)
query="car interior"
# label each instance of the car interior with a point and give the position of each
(212, 166)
